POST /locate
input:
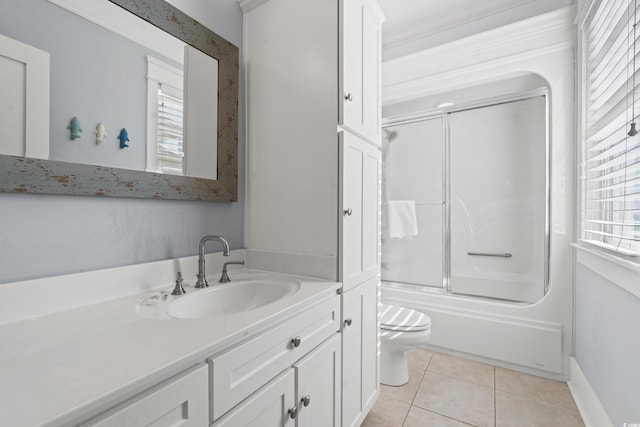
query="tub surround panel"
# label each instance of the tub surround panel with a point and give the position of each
(74, 363)
(607, 345)
(480, 328)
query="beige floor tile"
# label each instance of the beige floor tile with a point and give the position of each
(419, 357)
(421, 418)
(513, 410)
(454, 398)
(467, 370)
(408, 391)
(387, 412)
(541, 389)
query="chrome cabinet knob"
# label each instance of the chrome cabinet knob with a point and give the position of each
(348, 97)
(293, 412)
(295, 342)
(306, 400)
(348, 212)
(348, 321)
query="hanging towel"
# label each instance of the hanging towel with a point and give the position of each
(401, 217)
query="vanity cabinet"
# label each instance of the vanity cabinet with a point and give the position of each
(360, 165)
(236, 374)
(305, 395)
(270, 406)
(360, 361)
(360, 71)
(314, 162)
(180, 401)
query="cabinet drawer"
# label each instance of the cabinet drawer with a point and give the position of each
(245, 368)
(176, 402)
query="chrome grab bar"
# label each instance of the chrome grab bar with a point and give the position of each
(505, 255)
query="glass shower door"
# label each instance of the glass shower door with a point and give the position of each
(498, 200)
(413, 171)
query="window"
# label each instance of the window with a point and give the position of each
(611, 158)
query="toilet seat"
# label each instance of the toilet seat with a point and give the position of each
(403, 319)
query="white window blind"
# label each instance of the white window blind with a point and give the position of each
(611, 158)
(170, 148)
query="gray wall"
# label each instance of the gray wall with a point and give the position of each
(607, 343)
(44, 235)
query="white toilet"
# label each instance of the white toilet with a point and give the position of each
(401, 329)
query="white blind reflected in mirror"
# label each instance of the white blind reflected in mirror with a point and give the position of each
(170, 146)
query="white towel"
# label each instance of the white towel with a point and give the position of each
(401, 217)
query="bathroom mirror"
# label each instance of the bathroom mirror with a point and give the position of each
(94, 101)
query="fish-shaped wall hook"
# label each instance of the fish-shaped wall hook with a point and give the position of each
(74, 128)
(101, 133)
(124, 138)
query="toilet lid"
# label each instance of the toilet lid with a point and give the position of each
(398, 318)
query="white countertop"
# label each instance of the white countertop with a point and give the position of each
(69, 365)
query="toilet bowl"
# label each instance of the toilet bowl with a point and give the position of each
(401, 329)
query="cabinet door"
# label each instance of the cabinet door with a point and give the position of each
(359, 211)
(360, 72)
(318, 377)
(180, 401)
(270, 406)
(360, 361)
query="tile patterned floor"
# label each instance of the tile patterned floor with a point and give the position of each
(448, 391)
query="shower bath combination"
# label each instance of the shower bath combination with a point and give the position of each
(478, 177)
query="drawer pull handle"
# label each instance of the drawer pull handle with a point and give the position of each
(348, 321)
(295, 342)
(348, 97)
(306, 400)
(348, 212)
(293, 412)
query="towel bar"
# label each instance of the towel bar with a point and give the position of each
(505, 255)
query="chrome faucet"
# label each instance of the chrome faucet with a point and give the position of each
(202, 280)
(224, 278)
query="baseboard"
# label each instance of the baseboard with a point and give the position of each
(591, 409)
(318, 266)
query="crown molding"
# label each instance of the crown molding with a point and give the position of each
(466, 13)
(415, 75)
(249, 5)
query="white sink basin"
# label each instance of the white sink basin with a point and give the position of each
(229, 298)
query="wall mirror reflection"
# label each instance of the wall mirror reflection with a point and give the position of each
(125, 96)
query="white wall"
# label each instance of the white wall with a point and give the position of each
(293, 169)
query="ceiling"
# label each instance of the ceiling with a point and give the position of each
(412, 19)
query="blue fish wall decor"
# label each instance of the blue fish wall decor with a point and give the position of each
(74, 128)
(124, 138)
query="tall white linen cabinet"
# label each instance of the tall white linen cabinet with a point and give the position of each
(312, 70)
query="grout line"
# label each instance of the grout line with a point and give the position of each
(461, 379)
(495, 400)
